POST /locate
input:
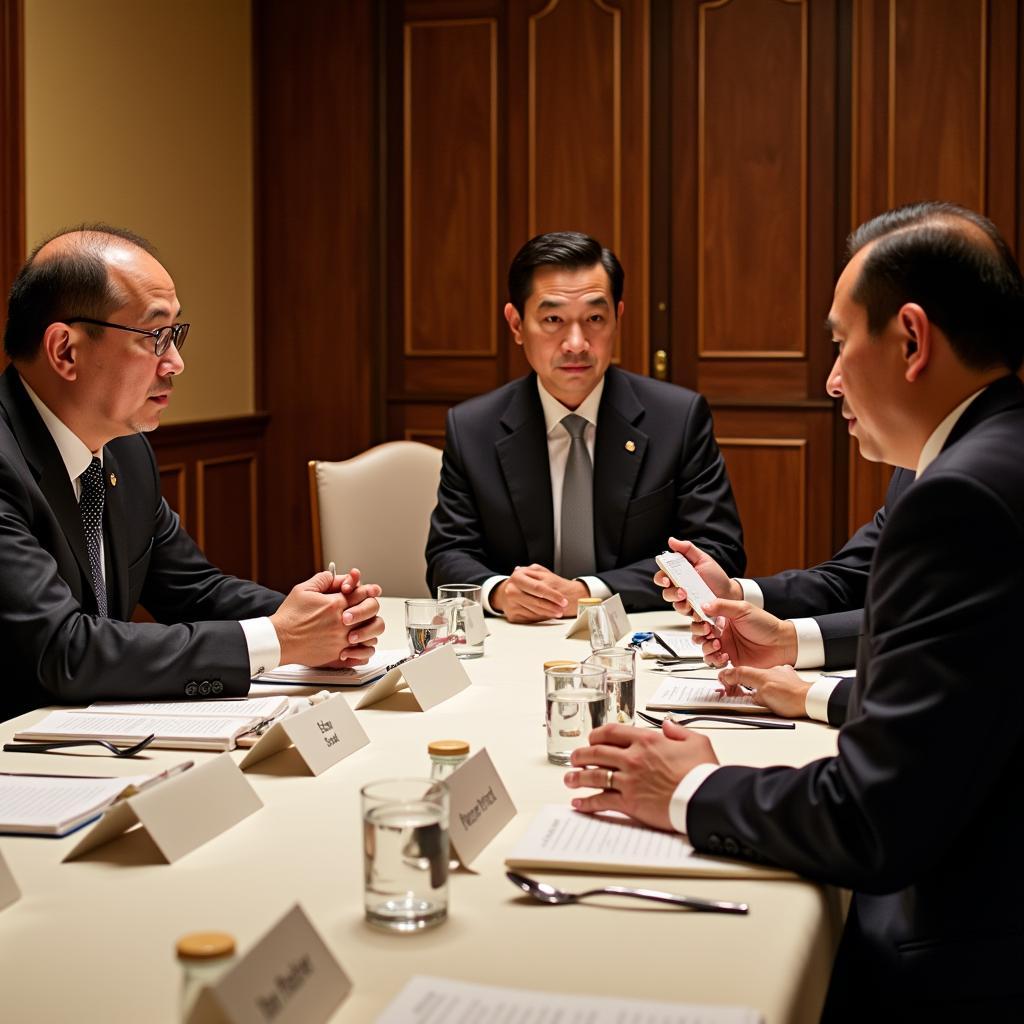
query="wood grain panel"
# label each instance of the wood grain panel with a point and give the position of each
(226, 503)
(752, 183)
(320, 324)
(12, 149)
(174, 488)
(937, 64)
(451, 187)
(769, 480)
(586, 136)
(868, 484)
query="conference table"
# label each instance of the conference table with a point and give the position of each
(93, 939)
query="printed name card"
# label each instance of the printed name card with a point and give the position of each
(9, 891)
(288, 977)
(431, 678)
(479, 806)
(617, 618)
(322, 736)
(182, 813)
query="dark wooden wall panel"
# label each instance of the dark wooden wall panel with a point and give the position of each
(752, 178)
(451, 189)
(12, 149)
(318, 323)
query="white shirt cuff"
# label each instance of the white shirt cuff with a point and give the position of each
(597, 588)
(751, 592)
(264, 646)
(485, 593)
(681, 798)
(816, 701)
(810, 648)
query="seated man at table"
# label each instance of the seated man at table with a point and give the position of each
(85, 536)
(560, 485)
(928, 315)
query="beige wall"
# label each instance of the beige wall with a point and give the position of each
(139, 113)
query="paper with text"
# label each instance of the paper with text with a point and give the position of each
(700, 695)
(563, 839)
(242, 707)
(181, 731)
(54, 804)
(479, 806)
(356, 675)
(428, 1000)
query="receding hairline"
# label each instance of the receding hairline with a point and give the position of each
(85, 241)
(954, 223)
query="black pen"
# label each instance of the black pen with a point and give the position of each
(657, 639)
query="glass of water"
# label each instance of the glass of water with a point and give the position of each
(425, 622)
(577, 699)
(619, 665)
(465, 617)
(405, 854)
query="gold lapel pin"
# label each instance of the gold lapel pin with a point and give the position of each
(630, 446)
(113, 479)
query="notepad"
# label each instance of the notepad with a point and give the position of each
(54, 805)
(358, 675)
(429, 1000)
(561, 839)
(695, 695)
(189, 732)
(681, 643)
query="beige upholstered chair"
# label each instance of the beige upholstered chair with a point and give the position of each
(373, 512)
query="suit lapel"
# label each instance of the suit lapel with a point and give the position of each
(44, 459)
(619, 451)
(523, 456)
(114, 536)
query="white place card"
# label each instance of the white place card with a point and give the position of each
(322, 735)
(9, 891)
(288, 977)
(617, 619)
(431, 678)
(479, 806)
(428, 1000)
(181, 813)
(475, 624)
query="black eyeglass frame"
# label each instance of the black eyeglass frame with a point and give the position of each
(163, 337)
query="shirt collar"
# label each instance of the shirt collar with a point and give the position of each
(555, 412)
(941, 433)
(72, 448)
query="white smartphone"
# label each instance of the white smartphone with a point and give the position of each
(682, 574)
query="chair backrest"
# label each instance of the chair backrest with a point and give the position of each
(373, 512)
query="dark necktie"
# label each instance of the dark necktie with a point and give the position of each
(90, 505)
(577, 547)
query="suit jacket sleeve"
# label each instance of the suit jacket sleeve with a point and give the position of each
(455, 545)
(78, 658)
(845, 819)
(705, 513)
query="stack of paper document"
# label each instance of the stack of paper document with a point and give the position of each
(192, 725)
(427, 1000)
(54, 805)
(680, 694)
(561, 839)
(301, 675)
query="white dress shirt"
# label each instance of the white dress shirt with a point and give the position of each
(260, 635)
(558, 454)
(816, 702)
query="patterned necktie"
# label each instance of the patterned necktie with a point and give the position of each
(577, 548)
(90, 505)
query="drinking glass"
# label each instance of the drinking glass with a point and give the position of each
(405, 854)
(577, 699)
(425, 621)
(619, 665)
(463, 601)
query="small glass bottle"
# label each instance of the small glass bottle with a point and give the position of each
(446, 756)
(203, 956)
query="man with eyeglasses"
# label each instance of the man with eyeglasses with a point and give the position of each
(85, 536)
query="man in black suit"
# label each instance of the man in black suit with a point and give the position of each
(557, 486)
(84, 532)
(929, 318)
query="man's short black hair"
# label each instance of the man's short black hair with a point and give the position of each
(953, 263)
(570, 250)
(70, 282)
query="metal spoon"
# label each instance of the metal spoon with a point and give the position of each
(549, 894)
